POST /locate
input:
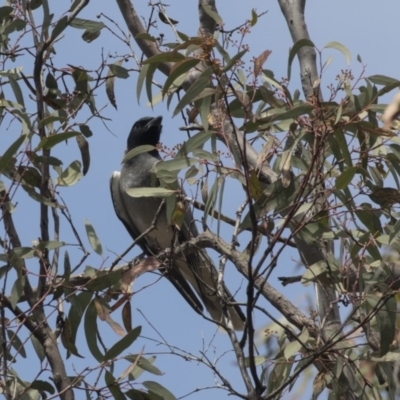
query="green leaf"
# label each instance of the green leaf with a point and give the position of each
(388, 88)
(59, 28)
(341, 141)
(254, 17)
(11, 152)
(71, 175)
(171, 56)
(38, 348)
(42, 386)
(67, 267)
(179, 68)
(15, 26)
(52, 140)
(149, 81)
(118, 71)
(93, 238)
(150, 192)
(159, 390)
(176, 165)
(195, 142)
(68, 340)
(38, 197)
(16, 343)
(290, 114)
(86, 24)
(89, 36)
(5, 11)
(343, 49)
(198, 86)
(314, 272)
(111, 74)
(233, 60)
(17, 91)
(83, 146)
(24, 252)
(214, 15)
(205, 106)
(140, 81)
(343, 180)
(85, 130)
(17, 291)
(382, 80)
(91, 331)
(294, 50)
(386, 318)
(113, 386)
(136, 151)
(146, 36)
(142, 365)
(123, 344)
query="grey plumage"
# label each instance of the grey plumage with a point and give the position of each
(137, 214)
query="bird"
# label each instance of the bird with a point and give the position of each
(192, 273)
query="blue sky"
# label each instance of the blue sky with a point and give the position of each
(365, 27)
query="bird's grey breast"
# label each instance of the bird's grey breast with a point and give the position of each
(136, 173)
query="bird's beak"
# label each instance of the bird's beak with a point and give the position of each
(154, 122)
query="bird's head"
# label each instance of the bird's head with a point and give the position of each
(146, 130)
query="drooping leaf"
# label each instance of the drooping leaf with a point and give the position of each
(17, 91)
(159, 390)
(176, 165)
(17, 291)
(234, 60)
(52, 140)
(386, 318)
(212, 13)
(111, 75)
(11, 152)
(113, 386)
(71, 175)
(83, 146)
(43, 386)
(179, 68)
(345, 177)
(140, 81)
(38, 348)
(123, 344)
(127, 316)
(343, 49)
(382, 79)
(59, 28)
(68, 340)
(294, 50)
(67, 267)
(16, 343)
(91, 331)
(93, 238)
(254, 17)
(142, 365)
(195, 142)
(197, 87)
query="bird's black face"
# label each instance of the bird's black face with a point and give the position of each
(146, 130)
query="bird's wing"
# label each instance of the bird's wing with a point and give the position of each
(120, 209)
(203, 276)
(124, 212)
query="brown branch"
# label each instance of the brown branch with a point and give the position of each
(135, 26)
(293, 11)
